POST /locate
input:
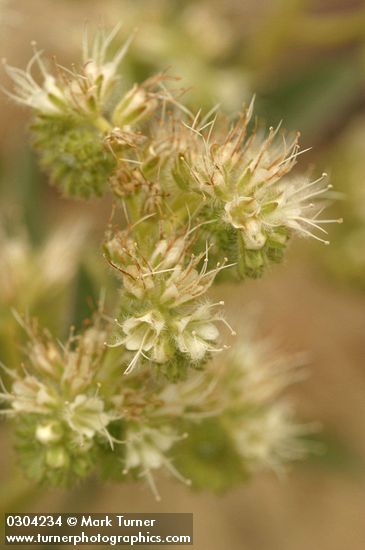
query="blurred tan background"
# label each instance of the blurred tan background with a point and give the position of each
(305, 60)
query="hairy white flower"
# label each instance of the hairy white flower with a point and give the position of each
(247, 175)
(224, 162)
(69, 91)
(146, 450)
(48, 98)
(168, 278)
(270, 438)
(30, 395)
(100, 69)
(144, 334)
(257, 373)
(86, 416)
(193, 398)
(60, 386)
(82, 362)
(169, 274)
(151, 335)
(196, 334)
(136, 104)
(287, 204)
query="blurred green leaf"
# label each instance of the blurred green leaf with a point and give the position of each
(314, 100)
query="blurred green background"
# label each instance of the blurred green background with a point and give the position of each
(305, 61)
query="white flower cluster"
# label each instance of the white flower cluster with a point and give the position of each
(59, 389)
(198, 195)
(243, 393)
(263, 425)
(84, 92)
(69, 92)
(167, 287)
(63, 393)
(247, 175)
(146, 450)
(271, 439)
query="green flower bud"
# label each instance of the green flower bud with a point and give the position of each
(252, 263)
(134, 106)
(57, 457)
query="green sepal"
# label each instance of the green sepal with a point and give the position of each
(150, 166)
(253, 263)
(181, 173)
(177, 368)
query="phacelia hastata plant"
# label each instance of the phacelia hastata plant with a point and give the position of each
(152, 385)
